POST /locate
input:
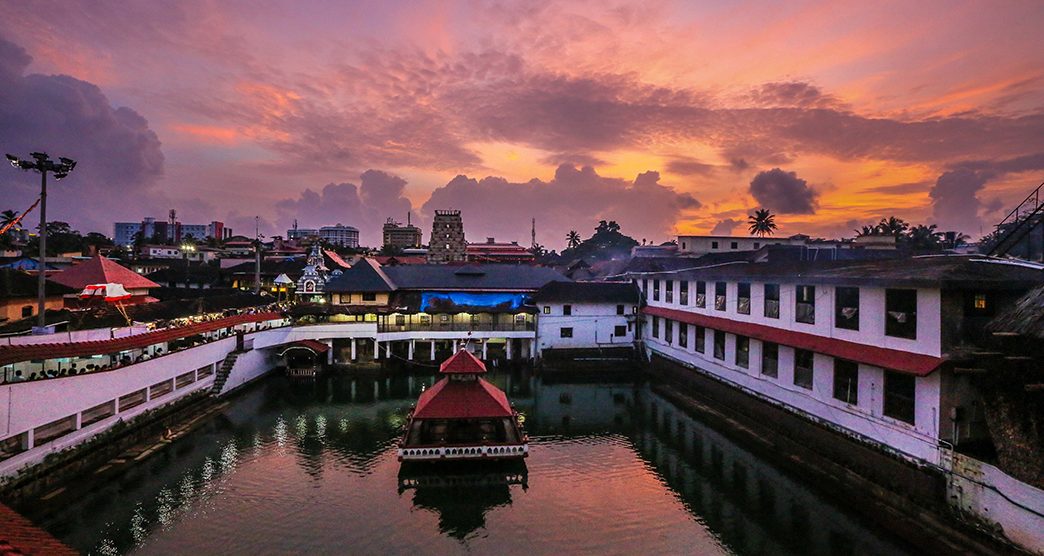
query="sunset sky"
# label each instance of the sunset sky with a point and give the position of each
(669, 117)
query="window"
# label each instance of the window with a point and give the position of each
(547, 309)
(160, 389)
(901, 313)
(846, 308)
(134, 399)
(669, 297)
(656, 290)
(656, 327)
(734, 245)
(700, 339)
(846, 381)
(743, 298)
(720, 296)
(683, 295)
(772, 301)
(619, 309)
(770, 359)
(185, 379)
(742, 351)
(714, 245)
(369, 296)
(668, 330)
(899, 398)
(620, 330)
(567, 310)
(683, 335)
(803, 362)
(701, 294)
(97, 413)
(805, 304)
(757, 245)
(565, 332)
(979, 301)
(27, 311)
(978, 304)
(719, 345)
(645, 289)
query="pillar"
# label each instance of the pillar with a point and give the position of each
(376, 349)
(329, 353)
(507, 346)
(433, 350)
(413, 346)
(484, 342)
(353, 390)
(387, 350)
(353, 349)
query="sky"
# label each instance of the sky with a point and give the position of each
(668, 117)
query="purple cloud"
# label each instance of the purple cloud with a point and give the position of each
(783, 192)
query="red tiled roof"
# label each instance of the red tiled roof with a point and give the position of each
(314, 345)
(892, 359)
(462, 363)
(100, 270)
(18, 535)
(455, 399)
(16, 353)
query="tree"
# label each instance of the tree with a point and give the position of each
(573, 238)
(893, 226)
(7, 217)
(612, 226)
(762, 223)
(868, 230)
(924, 238)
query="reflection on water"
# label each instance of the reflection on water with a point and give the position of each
(291, 468)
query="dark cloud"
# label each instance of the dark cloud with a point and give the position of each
(686, 166)
(783, 192)
(955, 201)
(725, 227)
(379, 196)
(792, 94)
(119, 156)
(575, 199)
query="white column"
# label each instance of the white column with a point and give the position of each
(330, 353)
(484, 342)
(387, 350)
(508, 347)
(433, 350)
(413, 346)
(353, 349)
(376, 348)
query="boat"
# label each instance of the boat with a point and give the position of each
(463, 417)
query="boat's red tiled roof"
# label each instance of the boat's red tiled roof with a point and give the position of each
(100, 270)
(16, 353)
(462, 363)
(455, 399)
(18, 535)
(892, 359)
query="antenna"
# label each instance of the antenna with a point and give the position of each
(408, 223)
(533, 233)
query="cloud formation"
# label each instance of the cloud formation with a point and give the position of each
(724, 227)
(783, 192)
(575, 199)
(119, 156)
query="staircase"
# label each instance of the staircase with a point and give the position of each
(222, 375)
(1013, 233)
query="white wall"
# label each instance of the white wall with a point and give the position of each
(989, 494)
(593, 326)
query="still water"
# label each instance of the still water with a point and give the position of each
(311, 468)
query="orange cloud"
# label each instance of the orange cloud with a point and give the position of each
(209, 134)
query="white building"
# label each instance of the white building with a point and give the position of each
(863, 347)
(345, 236)
(701, 245)
(586, 315)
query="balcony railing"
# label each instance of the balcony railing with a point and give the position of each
(436, 326)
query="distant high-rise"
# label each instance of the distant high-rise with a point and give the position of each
(403, 237)
(447, 243)
(344, 236)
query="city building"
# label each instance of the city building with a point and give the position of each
(296, 234)
(493, 252)
(701, 245)
(401, 237)
(151, 229)
(867, 348)
(447, 243)
(18, 294)
(340, 235)
(586, 315)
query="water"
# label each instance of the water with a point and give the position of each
(311, 468)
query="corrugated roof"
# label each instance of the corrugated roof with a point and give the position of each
(588, 292)
(101, 270)
(902, 361)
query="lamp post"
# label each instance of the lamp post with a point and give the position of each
(43, 164)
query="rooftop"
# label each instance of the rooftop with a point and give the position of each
(101, 270)
(18, 284)
(588, 292)
(508, 277)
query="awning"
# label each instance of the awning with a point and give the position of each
(110, 292)
(892, 359)
(310, 345)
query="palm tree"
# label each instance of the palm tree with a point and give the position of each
(762, 223)
(612, 226)
(924, 237)
(573, 238)
(868, 230)
(7, 217)
(893, 226)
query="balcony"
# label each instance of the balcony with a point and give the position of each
(456, 323)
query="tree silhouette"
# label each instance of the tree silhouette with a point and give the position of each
(762, 223)
(7, 217)
(893, 226)
(572, 239)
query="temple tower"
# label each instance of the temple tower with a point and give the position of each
(447, 238)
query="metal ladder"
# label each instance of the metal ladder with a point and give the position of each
(1028, 215)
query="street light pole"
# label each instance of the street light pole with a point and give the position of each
(60, 169)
